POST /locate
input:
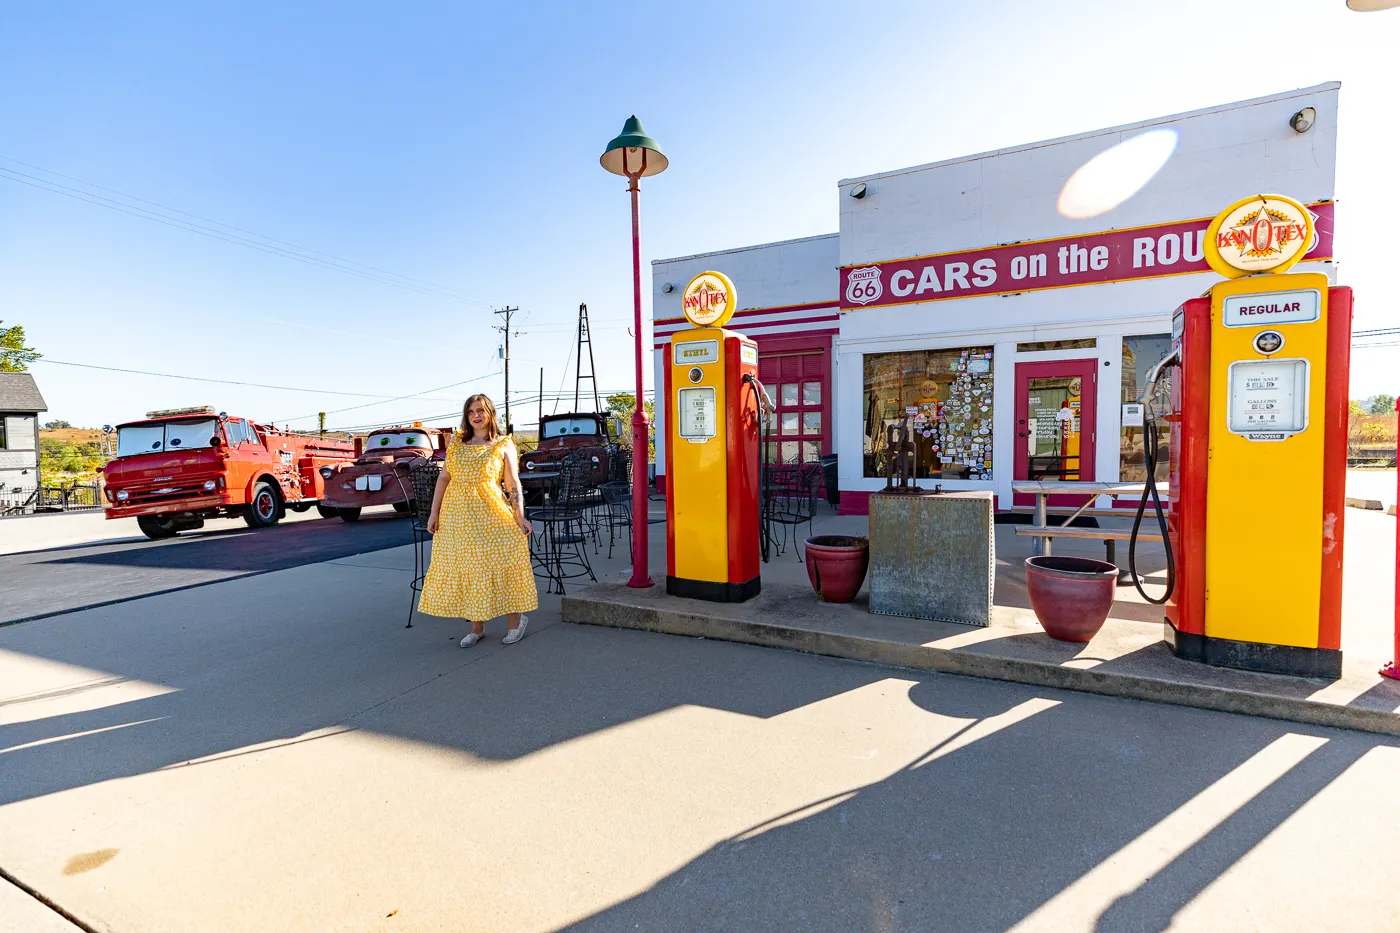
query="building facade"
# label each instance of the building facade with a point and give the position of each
(20, 405)
(974, 302)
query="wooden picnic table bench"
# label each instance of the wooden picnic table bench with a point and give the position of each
(1044, 533)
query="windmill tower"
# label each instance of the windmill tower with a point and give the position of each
(585, 339)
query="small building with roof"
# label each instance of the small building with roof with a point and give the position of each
(20, 405)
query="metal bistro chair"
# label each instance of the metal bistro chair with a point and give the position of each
(423, 478)
(617, 512)
(559, 544)
(789, 499)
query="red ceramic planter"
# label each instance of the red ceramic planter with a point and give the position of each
(1071, 596)
(836, 565)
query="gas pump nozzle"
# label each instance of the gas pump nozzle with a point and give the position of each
(1149, 458)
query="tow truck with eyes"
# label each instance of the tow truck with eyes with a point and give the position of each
(379, 474)
(583, 433)
(181, 466)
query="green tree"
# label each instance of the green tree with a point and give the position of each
(57, 424)
(1381, 404)
(15, 357)
(621, 405)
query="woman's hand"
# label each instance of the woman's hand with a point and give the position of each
(433, 523)
(524, 523)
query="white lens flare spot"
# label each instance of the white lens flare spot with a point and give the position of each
(1115, 175)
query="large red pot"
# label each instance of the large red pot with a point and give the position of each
(836, 565)
(1071, 596)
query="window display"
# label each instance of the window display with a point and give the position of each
(947, 397)
(1139, 355)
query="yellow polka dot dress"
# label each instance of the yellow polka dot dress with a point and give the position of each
(480, 565)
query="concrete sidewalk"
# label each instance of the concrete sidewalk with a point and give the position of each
(1127, 658)
(278, 753)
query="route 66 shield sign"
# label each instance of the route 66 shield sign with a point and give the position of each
(863, 285)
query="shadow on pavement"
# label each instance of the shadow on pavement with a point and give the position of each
(959, 841)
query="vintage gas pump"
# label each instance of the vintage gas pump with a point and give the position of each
(1258, 428)
(712, 424)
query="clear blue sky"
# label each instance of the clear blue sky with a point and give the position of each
(459, 145)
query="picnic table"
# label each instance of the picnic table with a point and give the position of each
(1044, 533)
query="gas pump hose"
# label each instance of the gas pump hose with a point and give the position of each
(756, 387)
(1149, 459)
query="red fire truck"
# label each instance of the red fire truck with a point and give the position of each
(183, 465)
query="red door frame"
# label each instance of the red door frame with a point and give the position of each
(782, 344)
(1088, 372)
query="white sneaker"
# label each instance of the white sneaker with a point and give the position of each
(517, 633)
(471, 639)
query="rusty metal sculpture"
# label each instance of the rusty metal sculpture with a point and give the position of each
(902, 460)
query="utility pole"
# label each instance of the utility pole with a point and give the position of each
(322, 416)
(505, 314)
(539, 422)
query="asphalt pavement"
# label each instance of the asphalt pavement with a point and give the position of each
(278, 752)
(37, 584)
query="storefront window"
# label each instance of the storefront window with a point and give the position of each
(1086, 343)
(946, 395)
(1139, 355)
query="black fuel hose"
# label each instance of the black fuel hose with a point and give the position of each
(1149, 461)
(756, 388)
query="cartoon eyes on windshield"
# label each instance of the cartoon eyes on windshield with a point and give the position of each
(174, 442)
(384, 441)
(156, 446)
(411, 441)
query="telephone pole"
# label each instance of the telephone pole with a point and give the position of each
(505, 314)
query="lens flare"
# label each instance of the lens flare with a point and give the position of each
(1115, 175)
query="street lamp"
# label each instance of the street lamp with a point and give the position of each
(635, 154)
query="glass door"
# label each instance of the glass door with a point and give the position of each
(1055, 405)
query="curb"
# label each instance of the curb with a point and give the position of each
(587, 610)
(1372, 505)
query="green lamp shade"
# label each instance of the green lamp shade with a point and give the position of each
(625, 154)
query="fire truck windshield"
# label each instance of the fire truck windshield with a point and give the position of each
(396, 439)
(172, 435)
(569, 427)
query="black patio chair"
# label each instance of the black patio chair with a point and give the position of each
(559, 539)
(423, 480)
(789, 500)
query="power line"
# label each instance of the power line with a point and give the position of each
(231, 382)
(261, 236)
(90, 198)
(423, 395)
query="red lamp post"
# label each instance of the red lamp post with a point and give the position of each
(634, 154)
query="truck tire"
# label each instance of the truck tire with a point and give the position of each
(157, 527)
(403, 507)
(349, 515)
(299, 506)
(327, 511)
(265, 508)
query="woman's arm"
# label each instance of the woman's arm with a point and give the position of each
(438, 491)
(513, 491)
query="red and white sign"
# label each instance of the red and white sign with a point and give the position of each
(1090, 259)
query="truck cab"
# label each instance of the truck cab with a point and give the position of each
(178, 467)
(379, 475)
(583, 433)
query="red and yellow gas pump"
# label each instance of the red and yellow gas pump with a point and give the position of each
(712, 425)
(1258, 452)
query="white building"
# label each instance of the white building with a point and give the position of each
(957, 294)
(20, 405)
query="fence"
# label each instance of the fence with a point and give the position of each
(76, 498)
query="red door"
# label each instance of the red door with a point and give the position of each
(799, 384)
(1055, 405)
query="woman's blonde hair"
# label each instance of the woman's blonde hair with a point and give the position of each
(493, 430)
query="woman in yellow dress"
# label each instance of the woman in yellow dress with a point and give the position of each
(481, 547)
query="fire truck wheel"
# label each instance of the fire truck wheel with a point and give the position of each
(349, 515)
(299, 506)
(265, 508)
(327, 511)
(157, 527)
